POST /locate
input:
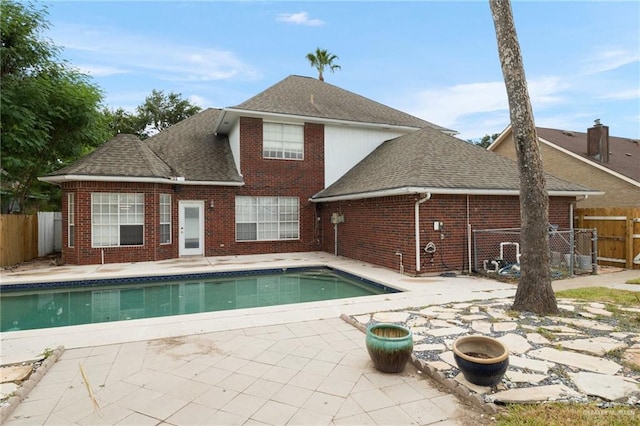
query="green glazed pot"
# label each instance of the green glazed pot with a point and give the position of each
(389, 346)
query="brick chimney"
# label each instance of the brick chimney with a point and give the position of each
(598, 142)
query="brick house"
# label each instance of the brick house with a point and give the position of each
(593, 158)
(302, 166)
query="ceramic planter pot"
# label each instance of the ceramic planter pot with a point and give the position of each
(389, 346)
(482, 360)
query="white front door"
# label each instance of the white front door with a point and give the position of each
(191, 232)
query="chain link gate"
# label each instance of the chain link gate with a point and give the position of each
(496, 252)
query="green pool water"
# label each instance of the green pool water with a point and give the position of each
(25, 310)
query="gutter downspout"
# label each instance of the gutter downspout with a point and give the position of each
(424, 198)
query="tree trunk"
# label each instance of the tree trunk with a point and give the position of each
(534, 292)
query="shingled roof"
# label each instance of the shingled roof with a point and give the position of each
(431, 161)
(310, 97)
(624, 153)
(194, 151)
(123, 156)
(189, 149)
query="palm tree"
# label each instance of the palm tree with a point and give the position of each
(321, 60)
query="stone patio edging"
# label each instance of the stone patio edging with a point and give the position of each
(451, 385)
(21, 393)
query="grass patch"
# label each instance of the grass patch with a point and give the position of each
(563, 414)
(602, 295)
(555, 414)
(547, 334)
(633, 281)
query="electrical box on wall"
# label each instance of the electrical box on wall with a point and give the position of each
(437, 225)
(337, 218)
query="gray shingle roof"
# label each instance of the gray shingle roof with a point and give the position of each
(189, 149)
(624, 153)
(310, 97)
(124, 155)
(435, 161)
(192, 149)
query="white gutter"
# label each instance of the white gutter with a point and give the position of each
(421, 200)
(75, 178)
(424, 190)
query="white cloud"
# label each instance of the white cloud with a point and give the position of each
(633, 93)
(447, 105)
(166, 59)
(197, 100)
(100, 71)
(608, 60)
(300, 18)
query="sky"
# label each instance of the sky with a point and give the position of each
(437, 60)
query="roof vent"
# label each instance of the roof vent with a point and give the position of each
(568, 133)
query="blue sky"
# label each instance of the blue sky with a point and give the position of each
(435, 60)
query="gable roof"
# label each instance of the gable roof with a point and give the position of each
(624, 153)
(314, 99)
(429, 161)
(188, 152)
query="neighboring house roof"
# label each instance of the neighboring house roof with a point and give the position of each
(311, 98)
(429, 161)
(624, 153)
(188, 152)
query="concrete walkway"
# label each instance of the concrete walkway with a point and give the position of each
(290, 364)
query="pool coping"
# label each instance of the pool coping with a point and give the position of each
(108, 282)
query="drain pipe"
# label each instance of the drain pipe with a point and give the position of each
(421, 200)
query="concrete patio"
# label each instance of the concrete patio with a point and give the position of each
(289, 364)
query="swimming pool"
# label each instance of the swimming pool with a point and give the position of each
(58, 304)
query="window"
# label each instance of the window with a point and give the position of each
(165, 219)
(267, 218)
(283, 141)
(117, 219)
(71, 220)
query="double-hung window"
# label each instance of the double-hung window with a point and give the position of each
(117, 219)
(267, 218)
(71, 219)
(283, 141)
(165, 219)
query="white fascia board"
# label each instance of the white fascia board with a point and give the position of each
(590, 162)
(309, 119)
(492, 146)
(76, 178)
(445, 191)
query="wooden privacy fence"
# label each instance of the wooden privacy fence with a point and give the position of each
(618, 234)
(18, 238)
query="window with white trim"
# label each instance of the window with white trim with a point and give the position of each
(71, 219)
(267, 218)
(284, 141)
(117, 219)
(165, 218)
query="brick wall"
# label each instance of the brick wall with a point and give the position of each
(263, 177)
(82, 253)
(376, 229)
